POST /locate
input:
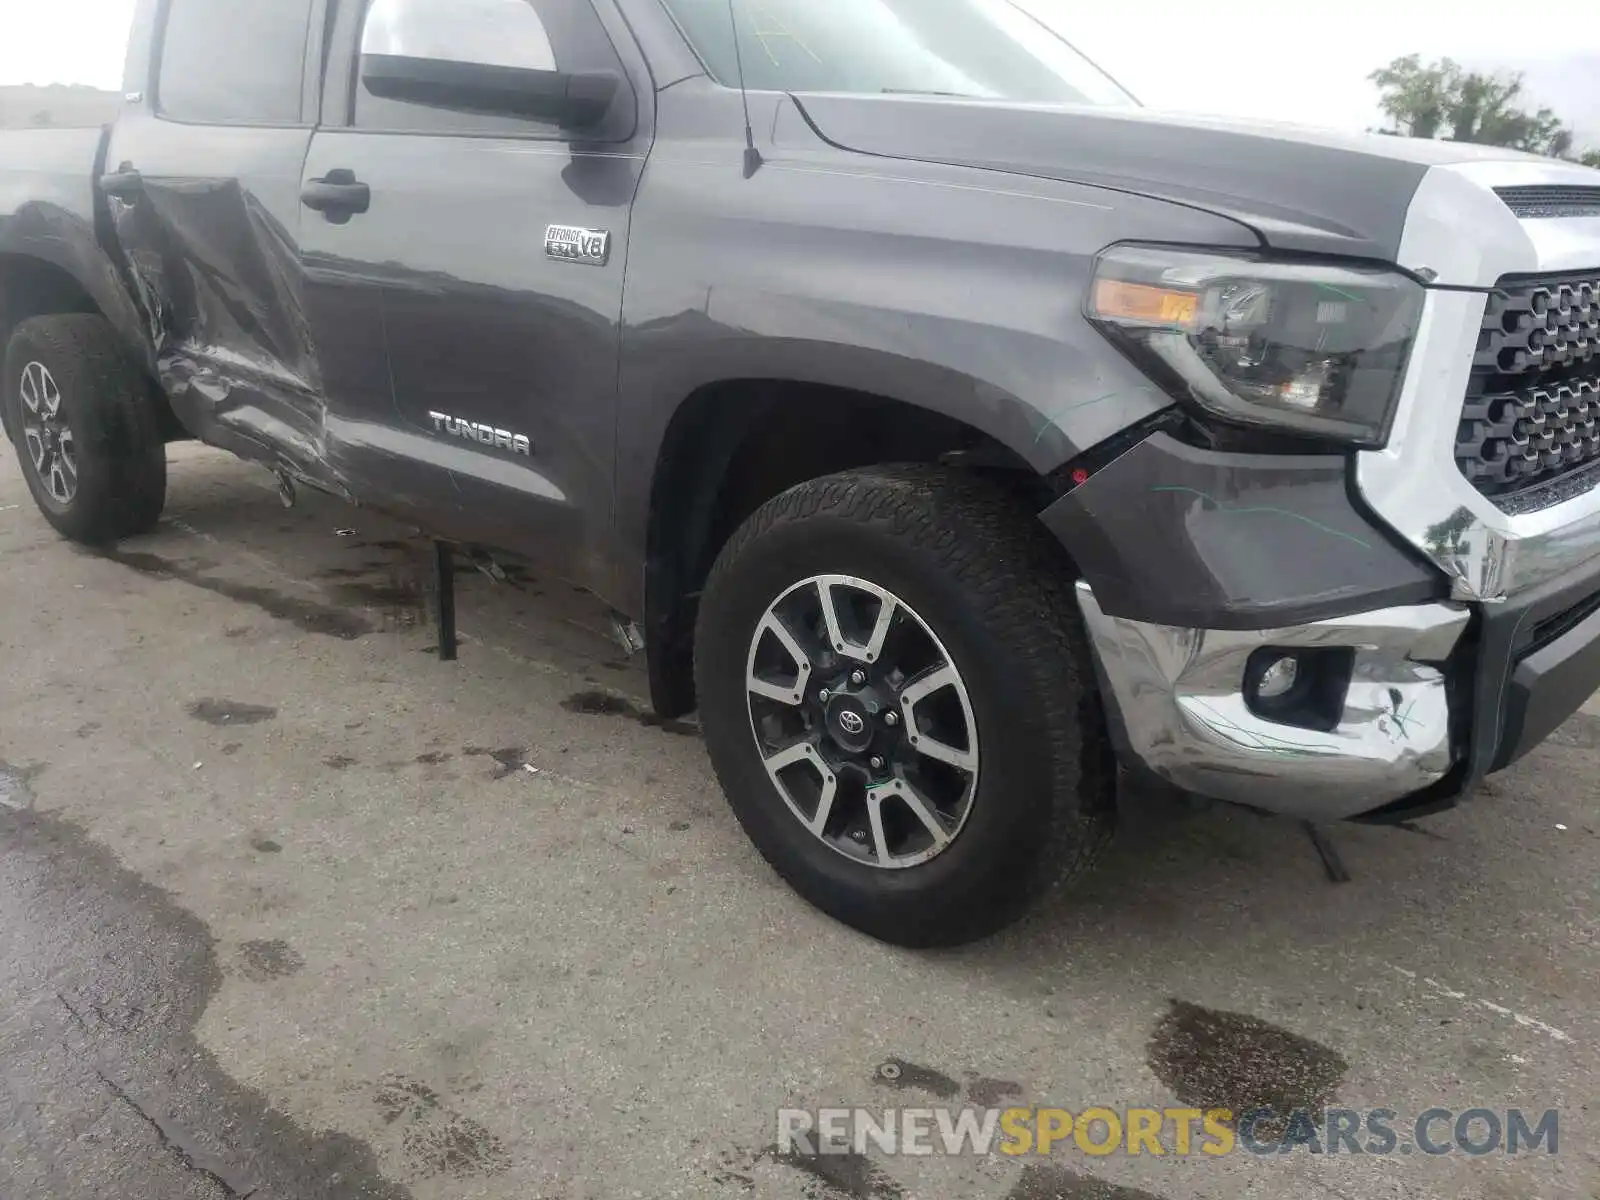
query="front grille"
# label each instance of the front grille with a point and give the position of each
(1532, 413)
(1543, 202)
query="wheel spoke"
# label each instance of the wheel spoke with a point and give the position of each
(920, 688)
(49, 393)
(880, 628)
(804, 752)
(880, 842)
(830, 617)
(35, 444)
(30, 390)
(58, 483)
(945, 753)
(781, 693)
(921, 740)
(775, 691)
(788, 756)
(830, 788)
(924, 813)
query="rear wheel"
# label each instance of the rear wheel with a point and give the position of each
(898, 701)
(80, 415)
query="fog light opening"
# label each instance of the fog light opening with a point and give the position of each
(1299, 686)
(1278, 678)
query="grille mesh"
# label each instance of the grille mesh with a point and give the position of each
(1532, 413)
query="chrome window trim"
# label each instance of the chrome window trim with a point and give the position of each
(1462, 233)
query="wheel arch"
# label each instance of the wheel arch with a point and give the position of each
(35, 284)
(734, 444)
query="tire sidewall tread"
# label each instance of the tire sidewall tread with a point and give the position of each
(977, 567)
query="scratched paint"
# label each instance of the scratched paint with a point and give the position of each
(1234, 510)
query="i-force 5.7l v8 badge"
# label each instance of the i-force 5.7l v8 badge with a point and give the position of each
(570, 243)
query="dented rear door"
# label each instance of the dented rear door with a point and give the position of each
(203, 185)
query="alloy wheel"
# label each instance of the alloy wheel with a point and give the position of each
(863, 721)
(47, 434)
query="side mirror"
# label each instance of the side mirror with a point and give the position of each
(572, 100)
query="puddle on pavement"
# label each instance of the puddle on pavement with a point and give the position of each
(401, 603)
(1213, 1059)
(507, 762)
(1041, 1181)
(306, 615)
(843, 1176)
(230, 712)
(983, 1092)
(900, 1075)
(608, 704)
(131, 973)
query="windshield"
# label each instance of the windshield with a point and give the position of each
(987, 49)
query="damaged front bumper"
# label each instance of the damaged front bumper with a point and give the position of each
(1182, 708)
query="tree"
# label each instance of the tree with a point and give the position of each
(1444, 100)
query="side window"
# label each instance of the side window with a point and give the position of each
(519, 35)
(233, 62)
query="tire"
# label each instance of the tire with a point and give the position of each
(104, 402)
(972, 567)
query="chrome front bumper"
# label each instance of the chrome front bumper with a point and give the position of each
(1178, 696)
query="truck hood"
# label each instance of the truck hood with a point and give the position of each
(1303, 189)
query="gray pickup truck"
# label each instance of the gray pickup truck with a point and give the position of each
(955, 435)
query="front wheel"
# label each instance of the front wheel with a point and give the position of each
(899, 703)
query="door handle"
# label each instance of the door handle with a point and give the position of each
(337, 196)
(123, 184)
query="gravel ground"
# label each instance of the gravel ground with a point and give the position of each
(289, 908)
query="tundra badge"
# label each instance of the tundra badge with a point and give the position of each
(486, 435)
(570, 243)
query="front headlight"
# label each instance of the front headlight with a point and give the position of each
(1316, 348)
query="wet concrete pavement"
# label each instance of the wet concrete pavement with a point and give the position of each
(284, 912)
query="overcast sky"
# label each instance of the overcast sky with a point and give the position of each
(1289, 60)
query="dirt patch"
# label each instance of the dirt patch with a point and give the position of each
(435, 1138)
(507, 761)
(306, 615)
(275, 959)
(1040, 1181)
(607, 704)
(230, 712)
(15, 791)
